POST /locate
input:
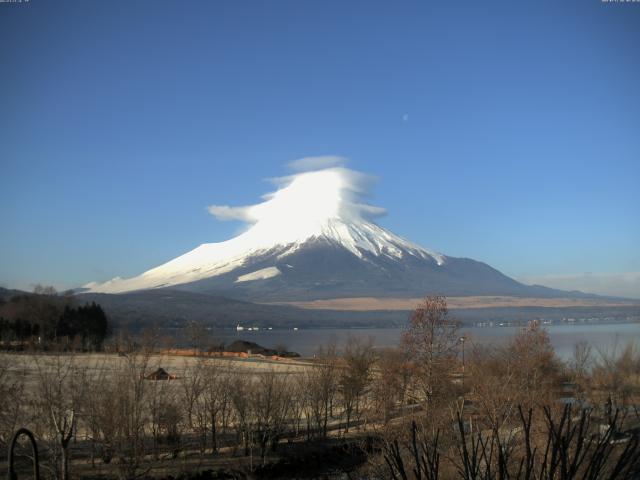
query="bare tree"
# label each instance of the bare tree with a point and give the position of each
(169, 425)
(355, 375)
(582, 358)
(432, 340)
(535, 365)
(126, 417)
(91, 410)
(321, 387)
(580, 367)
(616, 376)
(394, 372)
(159, 404)
(240, 391)
(193, 386)
(271, 399)
(216, 398)
(523, 372)
(297, 385)
(60, 382)
(493, 380)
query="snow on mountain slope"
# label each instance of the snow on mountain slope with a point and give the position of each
(261, 274)
(308, 207)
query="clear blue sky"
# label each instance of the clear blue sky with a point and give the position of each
(508, 132)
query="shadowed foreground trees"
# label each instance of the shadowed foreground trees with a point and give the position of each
(542, 444)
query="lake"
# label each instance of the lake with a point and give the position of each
(605, 337)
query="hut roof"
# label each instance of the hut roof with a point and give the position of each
(159, 374)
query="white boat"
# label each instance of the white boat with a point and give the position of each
(239, 328)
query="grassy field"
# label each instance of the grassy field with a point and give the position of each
(377, 304)
(30, 364)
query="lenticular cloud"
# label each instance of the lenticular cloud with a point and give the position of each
(321, 189)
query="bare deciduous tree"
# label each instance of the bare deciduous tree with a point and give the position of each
(159, 404)
(321, 387)
(432, 340)
(271, 400)
(60, 393)
(390, 385)
(355, 375)
(192, 388)
(216, 398)
(535, 364)
(523, 372)
(127, 415)
(240, 391)
(617, 376)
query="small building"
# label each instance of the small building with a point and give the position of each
(160, 374)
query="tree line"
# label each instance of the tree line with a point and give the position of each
(49, 319)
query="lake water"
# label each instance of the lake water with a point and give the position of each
(605, 337)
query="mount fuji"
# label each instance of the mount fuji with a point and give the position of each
(313, 239)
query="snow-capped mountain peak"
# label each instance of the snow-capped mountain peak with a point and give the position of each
(308, 207)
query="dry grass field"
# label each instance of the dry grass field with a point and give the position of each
(31, 364)
(376, 304)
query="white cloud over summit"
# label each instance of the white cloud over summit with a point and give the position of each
(321, 188)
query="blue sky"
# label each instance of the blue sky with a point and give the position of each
(501, 131)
